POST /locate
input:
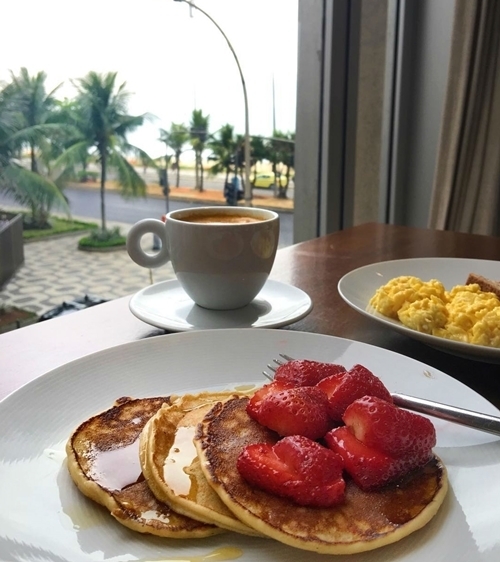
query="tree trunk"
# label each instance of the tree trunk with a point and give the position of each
(254, 172)
(34, 167)
(282, 193)
(178, 167)
(196, 170)
(103, 190)
(201, 172)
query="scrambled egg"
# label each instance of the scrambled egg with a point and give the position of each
(465, 313)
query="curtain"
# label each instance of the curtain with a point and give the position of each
(466, 191)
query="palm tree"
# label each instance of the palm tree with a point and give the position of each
(36, 106)
(258, 152)
(286, 152)
(103, 107)
(70, 112)
(281, 151)
(223, 148)
(199, 134)
(175, 139)
(18, 129)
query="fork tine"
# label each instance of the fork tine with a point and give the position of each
(287, 358)
(268, 376)
(278, 362)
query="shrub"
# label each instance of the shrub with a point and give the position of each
(103, 239)
(86, 175)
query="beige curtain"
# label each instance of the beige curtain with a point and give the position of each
(466, 191)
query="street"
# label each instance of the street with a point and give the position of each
(85, 203)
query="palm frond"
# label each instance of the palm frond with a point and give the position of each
(130, 181)
(32, 190)
(128, 124)
(73, 155)
(33, 133)
(140, 154)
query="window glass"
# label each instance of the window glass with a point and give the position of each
(173, 60)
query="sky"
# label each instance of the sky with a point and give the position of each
(171, 62)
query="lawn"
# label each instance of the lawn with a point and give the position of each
(59, 226)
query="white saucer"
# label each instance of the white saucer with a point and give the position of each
(166, 305)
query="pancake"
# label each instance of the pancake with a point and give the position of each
(103, 461)
(171, 466)
(364, 521)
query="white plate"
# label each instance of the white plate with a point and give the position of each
(358, 287)
(166, 305)
(44, 517)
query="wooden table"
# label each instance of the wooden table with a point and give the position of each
(314, 266)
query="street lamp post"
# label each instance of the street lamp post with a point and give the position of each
(248, 187)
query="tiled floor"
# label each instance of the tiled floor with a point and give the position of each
(55, 271)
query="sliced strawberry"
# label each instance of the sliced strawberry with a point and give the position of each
(296, 411)
(342, 389)
(389, 429)
(253, 406)
(295, 468)
(303, 372)
(368, 467)
(260, 466)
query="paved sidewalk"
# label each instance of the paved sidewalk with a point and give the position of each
(55, 271)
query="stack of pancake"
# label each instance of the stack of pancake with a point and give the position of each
(167, 466)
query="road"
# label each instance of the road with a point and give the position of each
(86, 203)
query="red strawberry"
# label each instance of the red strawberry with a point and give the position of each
(296, 411)
(389, 429)
(342, 389)
(368, 467)
(302, 372)
(253, 406)
(295, 468)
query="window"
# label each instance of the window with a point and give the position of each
(371, 83)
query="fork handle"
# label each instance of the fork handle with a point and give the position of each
(483, 422)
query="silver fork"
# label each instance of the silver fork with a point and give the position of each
(469, 418)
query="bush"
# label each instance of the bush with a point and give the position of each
(29, 223)
(103, 239)
(85, 175)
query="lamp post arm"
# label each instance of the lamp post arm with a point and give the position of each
(248, 187)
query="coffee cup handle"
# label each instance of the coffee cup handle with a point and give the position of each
(147, 226)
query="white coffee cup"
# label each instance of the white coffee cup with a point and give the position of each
(222, 256)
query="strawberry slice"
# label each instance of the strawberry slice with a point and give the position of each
(254, 404)
(368, 467)
(342, 389)
(389, 429)
(295, 468)
(302, 410)
(303, 372)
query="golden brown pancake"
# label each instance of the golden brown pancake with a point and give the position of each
(171, 466)
(103, 461)
(364, 521)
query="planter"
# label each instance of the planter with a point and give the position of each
(12, 318)
(11, 245)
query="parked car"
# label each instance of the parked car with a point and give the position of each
(267, 181)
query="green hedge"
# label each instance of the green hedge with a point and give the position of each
(103, 239)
